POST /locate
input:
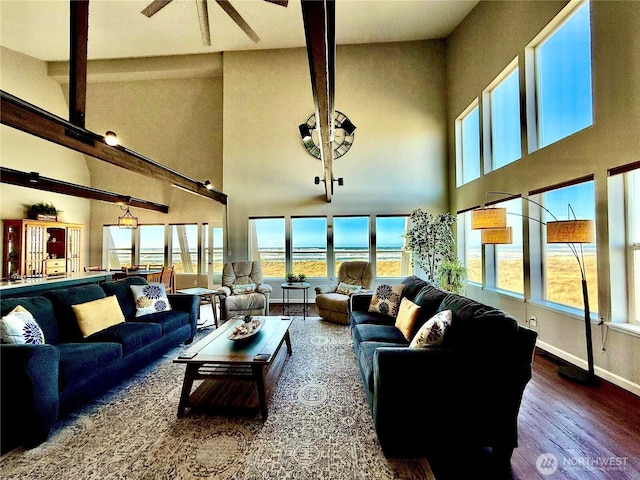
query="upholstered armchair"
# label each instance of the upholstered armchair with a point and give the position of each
(243, 291)
(333, 300)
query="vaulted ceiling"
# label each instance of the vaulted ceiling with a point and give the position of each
(118, 29)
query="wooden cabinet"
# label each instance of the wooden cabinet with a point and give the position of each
(35, 248)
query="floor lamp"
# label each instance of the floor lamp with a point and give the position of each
(492, 222)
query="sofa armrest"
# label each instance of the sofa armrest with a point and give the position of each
(224, 291)
(30, 400)
(189, 304)
(360, 302)
(264, 288)
(325, 288)
(445, 392)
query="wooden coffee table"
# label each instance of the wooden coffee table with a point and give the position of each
(224, 364)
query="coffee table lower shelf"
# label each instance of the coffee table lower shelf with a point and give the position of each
(231, 389)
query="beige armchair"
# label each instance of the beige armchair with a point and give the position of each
(335, 306)
(243, 291)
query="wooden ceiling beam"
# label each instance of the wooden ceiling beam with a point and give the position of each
(34, 180)
(28, 118)
(319, 27)
(78, 37)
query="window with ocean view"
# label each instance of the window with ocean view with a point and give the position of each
(184, 248)
(267, 244)
(309, 246)
(117, 247)
(504, 100)
(509, 260)
(563, 78)
(350, 239)
(391, 259)
(562, 279)
(151, 245)
(633, 227)
(472, 250)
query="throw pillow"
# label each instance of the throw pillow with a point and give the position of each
(243, 289)
(386, 300)
(150, 298)
(431, 334)
(19, 327)
(97, 315)
(346, 289)
(407, 315)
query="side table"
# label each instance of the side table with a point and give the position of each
(286, 290)
(207, 296)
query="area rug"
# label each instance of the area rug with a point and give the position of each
(319, 427)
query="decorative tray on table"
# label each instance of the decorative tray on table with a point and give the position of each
(247, 329)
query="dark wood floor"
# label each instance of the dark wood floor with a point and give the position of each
(592, 432)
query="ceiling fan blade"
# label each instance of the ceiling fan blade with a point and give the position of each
(154, 7)
(235, 16)
(203, 18)
(282, 3)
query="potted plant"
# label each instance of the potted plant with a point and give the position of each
(43, 211)
(290, 277)
(430, 239)
(452, 275)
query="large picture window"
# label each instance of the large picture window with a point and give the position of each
(472, 249)
(509, 264)
(632, 189)
(563, 78)
(267, 244)
(350, 239)
(118, 247)
(468, 145)
(391, 259)
(151, 245)
(309, 246)
(504, 100)
(184, 248)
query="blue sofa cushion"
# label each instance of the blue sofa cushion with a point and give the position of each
(131, 335)
(379, 333)
(365, 360)
(170, 320)
(122, 290)
(81, 360)
(429, 298)
(358, 317)
(478, 327)
(412, 285)
(63, 300)
(42, 311)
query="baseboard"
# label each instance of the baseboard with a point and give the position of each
(600, 372)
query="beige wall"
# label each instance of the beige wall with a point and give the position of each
(480, 48)
(393, 93)
(26, 78)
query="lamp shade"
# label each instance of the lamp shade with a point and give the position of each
(482, 218)
(497, 236)
(127, 220)
(571, 231)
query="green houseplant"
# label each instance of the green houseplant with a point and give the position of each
(430, 239)
(43, 211)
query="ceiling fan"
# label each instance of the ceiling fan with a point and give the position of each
(203, 16)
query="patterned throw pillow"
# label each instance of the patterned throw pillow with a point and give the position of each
(19, 327)
(98, 314)
(407, 316)
(386, 300)
(150, 298)
(431, 334)
(243, 289)
(346, 289)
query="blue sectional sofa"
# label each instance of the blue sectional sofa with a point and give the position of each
(465, 393)
(43, 383)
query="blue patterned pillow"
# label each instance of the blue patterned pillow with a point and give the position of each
(386, 300)
(150, 298)
(19, 327)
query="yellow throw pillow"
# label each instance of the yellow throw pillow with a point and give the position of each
(407, 316)
(98, 315)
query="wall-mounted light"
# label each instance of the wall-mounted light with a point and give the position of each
(208, 185)
(305, 132)
(348, 127)
(111, 138)
(127, 220)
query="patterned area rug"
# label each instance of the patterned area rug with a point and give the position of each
(319, 427)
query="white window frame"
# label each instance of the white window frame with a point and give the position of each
(461, 163)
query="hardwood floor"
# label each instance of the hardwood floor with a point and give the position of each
(592, 432)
